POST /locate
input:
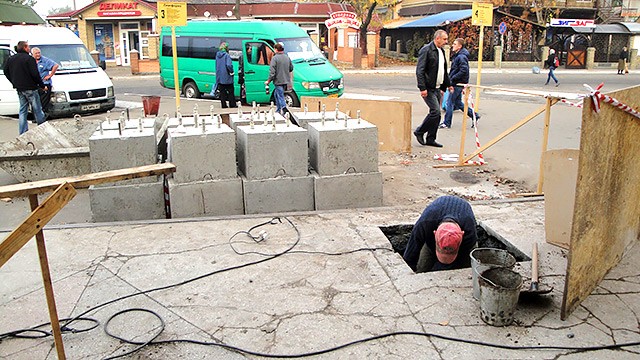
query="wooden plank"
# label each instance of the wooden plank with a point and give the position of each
(513, 128)
(84, 181)
(606, 218)
(36, 221)
(561, 173)
(46, 274)
(545, 143)
(392, 117)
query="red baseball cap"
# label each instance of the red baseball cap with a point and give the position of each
(448, 239)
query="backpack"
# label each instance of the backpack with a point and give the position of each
(556, 62)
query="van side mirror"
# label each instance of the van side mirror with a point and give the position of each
(103, 64)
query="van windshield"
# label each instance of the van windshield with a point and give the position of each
(301, 49)
(69, 57)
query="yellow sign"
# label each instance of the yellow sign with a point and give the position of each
(482, 14)
(172, 13)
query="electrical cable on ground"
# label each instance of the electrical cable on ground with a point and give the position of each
(142, 344)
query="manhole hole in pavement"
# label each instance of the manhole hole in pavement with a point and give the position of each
(464, 177)
(398, 236)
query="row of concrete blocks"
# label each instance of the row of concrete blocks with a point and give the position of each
(236, 196)
(272, 156)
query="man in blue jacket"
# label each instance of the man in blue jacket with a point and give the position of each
(22, 71)
(224, 76)
(459, 74)
(433, 79)
(443, 236)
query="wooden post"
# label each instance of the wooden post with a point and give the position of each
(48, 286)
(545, 142)
(463, 133)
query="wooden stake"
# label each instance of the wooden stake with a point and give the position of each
(545, 142)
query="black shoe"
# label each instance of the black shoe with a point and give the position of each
(433, 143)
(420, 138)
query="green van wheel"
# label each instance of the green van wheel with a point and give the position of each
(190, 90)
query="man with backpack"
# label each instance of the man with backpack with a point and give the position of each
(553, 62)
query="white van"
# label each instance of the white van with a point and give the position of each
(9, 103)
(79, 86)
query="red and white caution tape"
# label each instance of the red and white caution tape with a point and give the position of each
(576, 104)
(455, 157)
(597, 96)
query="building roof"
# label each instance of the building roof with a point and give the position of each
(72, 13)
(437, 20)
(267, 9)
(12, 13)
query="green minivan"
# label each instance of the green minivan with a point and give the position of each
(251, 48)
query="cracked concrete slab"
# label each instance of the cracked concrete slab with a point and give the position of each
(339, 282)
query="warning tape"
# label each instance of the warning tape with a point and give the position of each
(597, 96)
(455, 157)
(576, 104)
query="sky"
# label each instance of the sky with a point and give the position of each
(42, 7)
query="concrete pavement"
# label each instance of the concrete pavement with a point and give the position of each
(319, 280)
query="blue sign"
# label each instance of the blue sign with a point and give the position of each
(502, 28)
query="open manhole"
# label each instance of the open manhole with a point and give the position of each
(398, 236)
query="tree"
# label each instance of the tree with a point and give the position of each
(29, 3)
(55, 11)
(365, 9)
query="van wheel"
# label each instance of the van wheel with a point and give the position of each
(291, 99)
(190, 90)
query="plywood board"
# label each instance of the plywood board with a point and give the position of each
(392, 117)
(560, 175)
(606, 219)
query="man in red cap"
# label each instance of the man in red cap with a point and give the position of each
(443, 236)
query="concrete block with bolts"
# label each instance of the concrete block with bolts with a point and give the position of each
(265, 153)
(281, 194)
(127, 202)
(347, 191)
(304, 118)
(206, 198)
(335, 149)
(198, 154)
(131, 147)
(190, 121)
(244, 119)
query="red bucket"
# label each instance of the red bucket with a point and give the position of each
(151, 105)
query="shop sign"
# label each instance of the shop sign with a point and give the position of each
(572, 23)
(119, 9)
(342, 20)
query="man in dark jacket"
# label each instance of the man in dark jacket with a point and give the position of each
(459, 74)
(22, 71)
(443, 236)
(281, 73)
(432, 76)
(224, 76)
(551, 62)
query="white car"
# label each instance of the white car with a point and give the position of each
(9, 103)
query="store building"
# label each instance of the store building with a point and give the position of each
(116, 27)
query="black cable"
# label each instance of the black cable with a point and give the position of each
(141, 345)
(20, 334)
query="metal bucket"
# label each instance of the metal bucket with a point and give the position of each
(487, 258)
(499, 291)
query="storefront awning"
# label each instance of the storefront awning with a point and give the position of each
(394, 24)
(602, 29)
(633, 28)
(437, 20)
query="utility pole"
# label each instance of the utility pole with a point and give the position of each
(237, 9)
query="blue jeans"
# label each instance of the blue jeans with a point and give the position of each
(454, 102)
(432, 120)
(551, 75)
(279, 95)
(27, 97)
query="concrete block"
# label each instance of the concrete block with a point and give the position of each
(244, 119)
(206, 198)
(190, 121)
(111, 150)
(303, 118)
(127, 202)
(335, 149)
(202, 155)
(348, 191)
(282, 194)
(264, 153)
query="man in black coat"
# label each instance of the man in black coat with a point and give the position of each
(443, 236)
(433, 79)
(21, 70)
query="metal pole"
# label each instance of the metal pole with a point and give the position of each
(481, 44)
(176, 79)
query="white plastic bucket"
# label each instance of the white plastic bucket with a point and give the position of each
(487, 258)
